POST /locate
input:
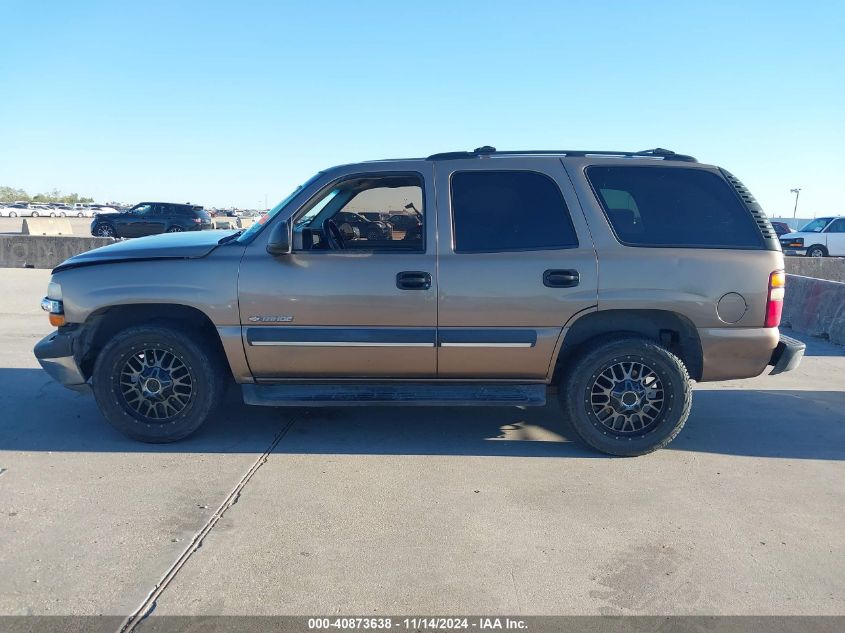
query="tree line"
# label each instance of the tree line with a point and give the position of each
(10, 194)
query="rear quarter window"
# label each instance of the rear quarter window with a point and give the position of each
(673, 207)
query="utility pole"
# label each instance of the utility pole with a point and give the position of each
(796, 191)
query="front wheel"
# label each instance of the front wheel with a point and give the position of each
(34, 214)
(627, 396)
(157, 384)
(817, 251)
(104, 230)
(12, 214)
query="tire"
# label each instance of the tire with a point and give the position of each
(104, 230)
(816, 250)
(196, 387)
(62, 214)
(34, 214)
(80, 215)
(175, 229)
(586, 385)
(12, 214)
(53, 214)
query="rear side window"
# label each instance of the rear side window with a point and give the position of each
(494, 211)
(669, 206)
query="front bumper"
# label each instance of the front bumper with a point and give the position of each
(787, 355)
(55, 352)
(794, 252)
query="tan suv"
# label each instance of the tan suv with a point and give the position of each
(616, 276)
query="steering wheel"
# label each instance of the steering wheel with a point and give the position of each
(333, 235)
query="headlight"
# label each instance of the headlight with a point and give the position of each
(54, 291)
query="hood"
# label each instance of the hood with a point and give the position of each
(185, 245)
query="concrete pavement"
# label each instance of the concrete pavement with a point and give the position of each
(418, 511)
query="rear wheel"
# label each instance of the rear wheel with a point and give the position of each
(628, 396)
(12, 214)
(156, 383)
(817, 250)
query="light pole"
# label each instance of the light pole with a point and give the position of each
(796, 191)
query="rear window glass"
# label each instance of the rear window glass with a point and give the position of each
(670, 206)
(496, 211)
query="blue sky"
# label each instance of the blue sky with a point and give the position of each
(222, 103)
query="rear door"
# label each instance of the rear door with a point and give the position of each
(515, 264)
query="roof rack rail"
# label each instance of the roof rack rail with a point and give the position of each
(487, 150)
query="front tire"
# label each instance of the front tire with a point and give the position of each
(104, 230)
(157, 384)
(627, 396)
(817, 250)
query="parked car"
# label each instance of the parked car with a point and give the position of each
(781, 228)
(18, 209)
(404, 221)
(613, 278)
(819, 238)
(150, 218)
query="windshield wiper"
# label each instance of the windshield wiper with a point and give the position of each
(229, 238)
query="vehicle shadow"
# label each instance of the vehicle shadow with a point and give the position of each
(36, 414)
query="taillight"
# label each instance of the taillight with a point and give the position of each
(774, 304)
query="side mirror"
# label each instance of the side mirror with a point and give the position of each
(280, 240)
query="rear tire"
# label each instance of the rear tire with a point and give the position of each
(817, 250)
(631, 415)
(157, 384)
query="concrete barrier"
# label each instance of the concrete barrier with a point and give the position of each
(815, 307)
(39, 251)
(830, 268)
(46, 226)
(224, 222)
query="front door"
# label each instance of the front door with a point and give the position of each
(346, 303)
(836, 238)
(515, 263)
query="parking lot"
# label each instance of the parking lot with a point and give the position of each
(378, 510)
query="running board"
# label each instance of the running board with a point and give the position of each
(399, 394)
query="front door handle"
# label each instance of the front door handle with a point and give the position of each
(413, 280)
(554, 278)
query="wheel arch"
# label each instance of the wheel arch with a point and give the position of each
(670, 329)
(105, 322)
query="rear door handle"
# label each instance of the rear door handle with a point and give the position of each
(413, 280)
(554, 278)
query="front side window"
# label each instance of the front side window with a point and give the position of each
(143, 209)
(498, 211)
(673, 207)
(816, 226)
(342, 218)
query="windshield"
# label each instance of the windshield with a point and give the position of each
(264, 219)
(816, 225)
